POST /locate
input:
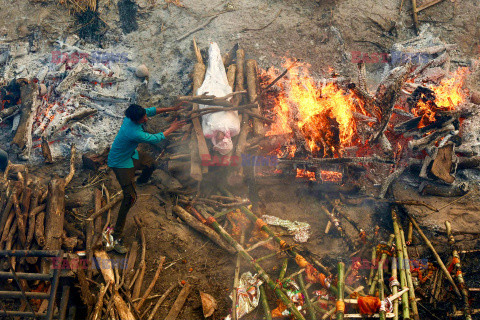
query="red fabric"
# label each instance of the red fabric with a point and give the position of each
(368, 305)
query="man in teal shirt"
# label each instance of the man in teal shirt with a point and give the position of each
(124, 159)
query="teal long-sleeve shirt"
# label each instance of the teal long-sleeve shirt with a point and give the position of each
(124, 147)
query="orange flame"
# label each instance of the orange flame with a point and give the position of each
(324, 114)
(448, 95)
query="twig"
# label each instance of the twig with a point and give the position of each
(199, 27)
(261, 28)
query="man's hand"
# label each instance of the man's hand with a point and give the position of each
(173, 127)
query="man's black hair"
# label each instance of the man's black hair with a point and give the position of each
(135, 112)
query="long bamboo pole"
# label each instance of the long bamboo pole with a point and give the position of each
(459, 275)
(341, 287)
(437, 257)
(381, 289)
(403, 278)
(394, 286)
(411, 291)
(383, 257)
(266, 308)
(372, 270)
(311, 311)
(290, 306)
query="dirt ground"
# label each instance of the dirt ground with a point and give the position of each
(323, 34)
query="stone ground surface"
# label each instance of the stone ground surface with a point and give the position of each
(322, 34)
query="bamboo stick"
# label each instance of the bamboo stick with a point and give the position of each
(459, 274)
(383, 257)
(403, 278)
(381, 289)
(340, 310)
(372, 270)
(411, 291)
(311, 311)
(336, 223)
(283, 271)
(437, 257)
(291, 307)
(394, 286)
(236, 281)
(266, 308)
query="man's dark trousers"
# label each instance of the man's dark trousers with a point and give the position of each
(126, 179)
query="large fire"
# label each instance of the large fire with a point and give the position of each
(322, 114)
(447, 96)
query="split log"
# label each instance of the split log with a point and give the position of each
(47, 154)
(104, 209)
(34, 210)
(20, 221)
(203, 229)
(198, 138)
(56, 127)
(252, 90)
(425, 142)
(442, 164)
(73, 76)
(55, 212)
(105, 265)
(30, 104)
(122, 309)
(178, 304)
(230, 55)
(231, 75)
(40, 229)
(317, 161)
(132, 257)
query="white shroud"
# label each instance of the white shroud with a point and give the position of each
(216, 84)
